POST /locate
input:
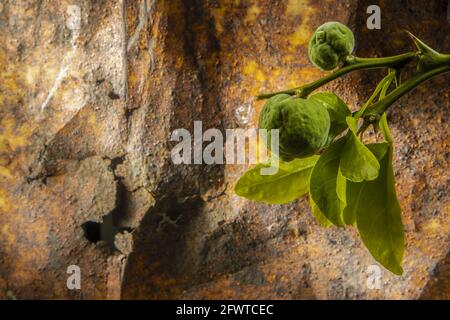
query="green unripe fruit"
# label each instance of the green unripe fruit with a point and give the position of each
(270, 118)
(303, 125)
(337, 110)
(330, 44)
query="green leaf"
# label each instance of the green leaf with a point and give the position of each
(289, 183)
(327, 185)
(320, 217)
(337, 109)
(354, 189)
(357, 162)
(378, 213)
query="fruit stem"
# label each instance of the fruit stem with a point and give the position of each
(352, 63)
(379, 107)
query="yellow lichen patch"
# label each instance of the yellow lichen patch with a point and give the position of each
(275, 73)
(10, 82)
(301, 36)
(12, 136)
(11, 90)
(252, 13)
(5, 205)
(305, 76)
(303, 31)
(5, 173)
(296, 7)
(252, 69)
(432, 226)
(289, 58)
(255, 75)
(132, 79)
(245, 39)
(218, 14)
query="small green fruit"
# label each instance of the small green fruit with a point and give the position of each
(330, 44)
(304, 125)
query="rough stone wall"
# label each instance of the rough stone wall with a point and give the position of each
(87, 108)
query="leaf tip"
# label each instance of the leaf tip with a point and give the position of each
(397, 270)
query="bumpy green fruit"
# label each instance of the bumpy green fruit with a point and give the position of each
(338, 111)
(330, 44)
(304, 125)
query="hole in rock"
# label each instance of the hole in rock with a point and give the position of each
(104, 231)
(91, 231)
(112, 95)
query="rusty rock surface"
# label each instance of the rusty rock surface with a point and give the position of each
(90, 92)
